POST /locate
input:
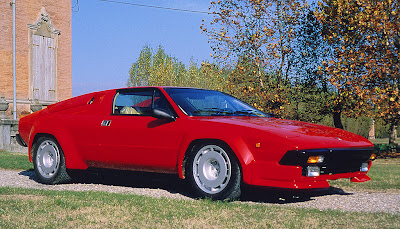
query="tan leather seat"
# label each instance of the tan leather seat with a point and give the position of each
(128, 110)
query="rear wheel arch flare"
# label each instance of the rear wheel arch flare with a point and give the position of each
(72, 157)
(36, 138)
(39, 135)
(49, 161)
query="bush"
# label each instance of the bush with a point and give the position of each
(360, 125)
(381, 129)
(388, 150)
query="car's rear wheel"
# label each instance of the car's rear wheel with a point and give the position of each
(213, 172)
(49, 162)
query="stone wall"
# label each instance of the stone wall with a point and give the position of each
(8, 140)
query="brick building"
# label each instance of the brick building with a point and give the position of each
(43, 53)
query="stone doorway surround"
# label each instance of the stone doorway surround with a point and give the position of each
(43, 43)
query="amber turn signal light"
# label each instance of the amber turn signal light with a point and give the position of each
(373, 156)
(315, 159)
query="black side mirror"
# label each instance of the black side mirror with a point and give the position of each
(161, 114)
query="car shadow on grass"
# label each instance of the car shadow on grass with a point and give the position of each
(172, 184)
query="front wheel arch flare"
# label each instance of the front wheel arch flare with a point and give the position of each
(213, 171)
(196, 142)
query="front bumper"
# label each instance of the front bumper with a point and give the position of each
(291, 171)
(336, 161)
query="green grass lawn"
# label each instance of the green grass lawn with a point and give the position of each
(14, 161)
(24, 208)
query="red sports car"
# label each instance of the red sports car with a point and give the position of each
(209, 138)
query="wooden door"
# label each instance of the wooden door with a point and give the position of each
(43, 69)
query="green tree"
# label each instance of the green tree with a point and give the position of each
(161, 69)
(156, 69)
(140, 71)
(213, 76)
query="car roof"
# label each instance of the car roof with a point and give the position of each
(159, 87)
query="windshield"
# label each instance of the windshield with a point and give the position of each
(199, 102)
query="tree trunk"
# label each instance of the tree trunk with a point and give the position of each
(260, 75)
(337, 119)
(393, 133)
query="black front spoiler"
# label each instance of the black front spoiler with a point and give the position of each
(20, 141)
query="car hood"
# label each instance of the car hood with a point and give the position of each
(299, 135)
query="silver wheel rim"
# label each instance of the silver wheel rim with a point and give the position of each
(211, 169)
(48, 159)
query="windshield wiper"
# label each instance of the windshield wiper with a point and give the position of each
(223, 111)
(249, 113)
(214, 111)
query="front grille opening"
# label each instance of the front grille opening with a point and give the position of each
(336, 160)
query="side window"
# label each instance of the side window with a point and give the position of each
(139, 103)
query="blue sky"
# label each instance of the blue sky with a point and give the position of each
(107, 38)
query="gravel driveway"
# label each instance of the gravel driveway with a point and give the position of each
(170, 186)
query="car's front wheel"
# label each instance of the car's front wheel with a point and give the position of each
(49, 162)
(213, 172)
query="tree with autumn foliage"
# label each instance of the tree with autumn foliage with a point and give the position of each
(365, 66)
(311, 94)
(268, 98)
(255, 37)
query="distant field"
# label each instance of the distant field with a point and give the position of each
(383, 141)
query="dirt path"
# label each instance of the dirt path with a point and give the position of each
(169, 186)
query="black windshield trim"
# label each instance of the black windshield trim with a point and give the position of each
(190, 110)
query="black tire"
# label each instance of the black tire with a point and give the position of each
(213, 172)
(49, 161)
